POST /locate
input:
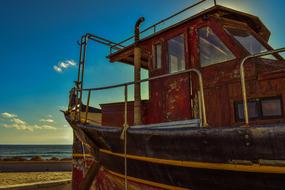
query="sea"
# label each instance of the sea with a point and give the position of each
(29, 151)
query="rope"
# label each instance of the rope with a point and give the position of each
(124, 137)
(84, 155)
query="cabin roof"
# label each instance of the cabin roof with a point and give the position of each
(126, 54)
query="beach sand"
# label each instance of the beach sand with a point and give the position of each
(17, 178)
(31, 172)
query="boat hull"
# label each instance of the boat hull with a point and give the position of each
(186, 157)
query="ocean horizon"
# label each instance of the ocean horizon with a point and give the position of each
(46, 151)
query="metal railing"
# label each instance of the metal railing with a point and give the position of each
(116, 46)
(154, 28)
(242, 77)
(202, 109)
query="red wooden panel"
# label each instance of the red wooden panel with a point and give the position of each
(113, 113)
(170, 98)
(177, 102)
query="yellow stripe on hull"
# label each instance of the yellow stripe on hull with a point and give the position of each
(256, 168)
(145, 182)
(81, 155)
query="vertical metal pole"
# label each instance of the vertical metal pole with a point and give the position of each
(80, 61)
(137, 74)
(242, 77)
(87, 106)
(126, 107)
(82, 74)
(200, 108)
(244, 96)
(137, 87)
(205, 123)
(124, 133)
(191, 96)
(78, 82)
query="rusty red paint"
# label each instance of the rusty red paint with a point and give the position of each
(170, 98)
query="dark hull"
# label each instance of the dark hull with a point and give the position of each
(192, 157)
(195, 178)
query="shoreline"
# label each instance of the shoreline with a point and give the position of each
(36, 166)
(34, 158)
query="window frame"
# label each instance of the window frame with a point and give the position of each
(274, 116)
(236, 110)
(244, 26)
(199, 49)
(154, 58)
(185, 36)
(260, 111)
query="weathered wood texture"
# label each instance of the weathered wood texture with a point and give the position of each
(170, 97)
(113, 114)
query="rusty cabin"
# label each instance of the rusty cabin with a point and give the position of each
(214, 42)
(213, 69)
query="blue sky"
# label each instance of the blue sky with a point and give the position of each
(36, 36)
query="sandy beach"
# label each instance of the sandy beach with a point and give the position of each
(17, 178)
(29, 172)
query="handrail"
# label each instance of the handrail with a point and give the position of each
(113, 45)
(242, 77)
(154, 26)
(82, 56)
(103, 41)
(201, 87)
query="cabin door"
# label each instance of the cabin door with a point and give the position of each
(176, 88)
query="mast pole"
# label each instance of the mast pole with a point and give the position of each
(137, 74)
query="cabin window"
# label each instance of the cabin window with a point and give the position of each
(263, 108)
(253, 110)
(271, 107)
(248, 41)
(157, 56)
(176, 54)
(212, 49)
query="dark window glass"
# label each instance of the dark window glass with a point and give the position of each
(263, 108)
(176, 54)
(271, 107)
(248, 41)
(157, 56)
(253, 110)
(212, 49)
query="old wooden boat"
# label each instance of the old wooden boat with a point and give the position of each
(214, 118)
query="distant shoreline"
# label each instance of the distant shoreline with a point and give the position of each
(35, 152)
(33, 159)
(36, 166)
(38, 144)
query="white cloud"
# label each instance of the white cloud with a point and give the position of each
(47, 120)
(63, 65)
(71, 63)
(57, 69)
(13, 121)
(8, 115)
(18, 126)
(48, 127)
(49, 115)
(18, 121)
